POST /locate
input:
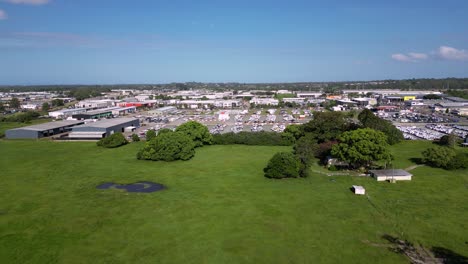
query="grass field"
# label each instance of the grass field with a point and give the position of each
(218, 208)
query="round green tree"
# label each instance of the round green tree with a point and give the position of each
(283, 165)
(197, 132)
(362, 147)
(168, 147)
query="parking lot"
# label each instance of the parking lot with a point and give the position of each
(251, 121)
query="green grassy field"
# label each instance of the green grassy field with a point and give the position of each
(218, 208)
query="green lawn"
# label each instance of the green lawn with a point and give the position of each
(218, 208)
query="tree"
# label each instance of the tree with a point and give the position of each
(362, 147)
(439, 157)
(57, 102)
(135, 138)
(45, 107)
(113, 141)
(450, 140)
(14, 103)
(327, 125)
(369, 120)
(150, 134)
(431, 97)
(305, 150)
(168, 147)
(164, 130)
(2, 107)
(282, 165)
(197, 132)
(296, 131)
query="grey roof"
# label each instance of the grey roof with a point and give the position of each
(109, 122)
(453, 104)
(456, 99)
(101, 111)
(50, 125)
(395, 172)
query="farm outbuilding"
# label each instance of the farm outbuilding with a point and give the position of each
(391, 175)
(42, 130)
(359, 190)
(103, 128)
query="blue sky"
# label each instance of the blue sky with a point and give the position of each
(117, 41)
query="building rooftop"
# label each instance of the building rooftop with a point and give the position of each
(108, 122)
(457, 99)
(50, 125)
(395, 172)
(101, 111)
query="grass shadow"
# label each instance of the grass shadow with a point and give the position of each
(418, 161)
(448, 257)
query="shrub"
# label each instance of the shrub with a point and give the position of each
(168, 147)
(164, 130)
(460, 161)
(135, 138)
(252, 138)
(439, 157)
(199, 133)
(113, 141)
(282, 165)
(150, 134)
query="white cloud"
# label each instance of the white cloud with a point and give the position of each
(410, 57)
(449, 53)
(28, 2)
(401, 57)
(3, 15)
(418, 56)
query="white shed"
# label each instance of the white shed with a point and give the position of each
(359, 190)
(391, 175)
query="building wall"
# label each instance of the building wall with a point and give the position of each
(397, 178)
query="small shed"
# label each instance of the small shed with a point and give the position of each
(359, 190)
(391, 175)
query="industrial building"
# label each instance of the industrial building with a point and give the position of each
(104, 128)
(42, 130)
(64, 113)
(162, 111)
(95, 114)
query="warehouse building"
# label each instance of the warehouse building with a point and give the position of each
(64, 113)
(42, 130)
(162, 111)
(104, 128)
(96, 114)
